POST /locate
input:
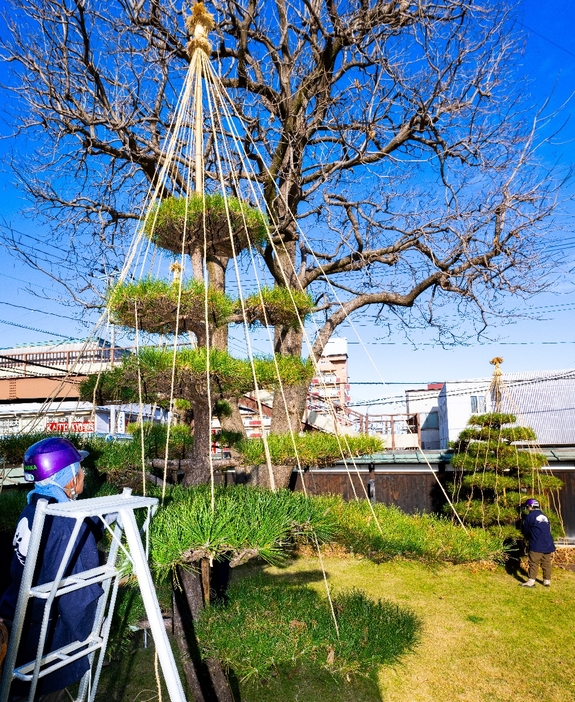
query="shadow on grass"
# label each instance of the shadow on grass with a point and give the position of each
(513, 563)
(128, 676)
(310, 683)
(289, 579)
(279, 635)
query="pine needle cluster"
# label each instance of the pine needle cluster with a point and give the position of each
(278, 306)
(245, 523)
(314, 450)
(206, 217)
(157, 306)
(230, 376)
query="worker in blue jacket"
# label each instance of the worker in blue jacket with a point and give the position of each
(54, 467)
(537, 530)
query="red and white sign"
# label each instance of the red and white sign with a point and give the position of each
(74, 427)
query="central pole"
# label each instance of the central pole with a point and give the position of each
(199, 24)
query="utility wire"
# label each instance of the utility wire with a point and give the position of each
(41, 331)
(550, 41)
(30, 309)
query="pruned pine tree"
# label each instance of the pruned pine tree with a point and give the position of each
(391, 141)
(496, 471)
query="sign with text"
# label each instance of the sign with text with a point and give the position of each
(88, 427)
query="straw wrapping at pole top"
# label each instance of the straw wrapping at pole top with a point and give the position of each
(199, 23)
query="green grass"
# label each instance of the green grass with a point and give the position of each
(484, 639)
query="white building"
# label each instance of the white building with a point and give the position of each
(542, 400)
(424, 404)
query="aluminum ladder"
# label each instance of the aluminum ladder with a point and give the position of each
(108, 576)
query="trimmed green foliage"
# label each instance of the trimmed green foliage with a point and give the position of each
(266, 626)
(110, 386)
(230, 377)
(120, 458)
(494, 481)
(254, 522)
(491, 454)
(495, 420)
(292, 371)
(156, 303)
(496, 474)
(13, 446)
(179, 445)
(477, 513)
(209, 216)
(245, 523)
(424, 537)
(12, 502)
(314, 449)
(278, 306)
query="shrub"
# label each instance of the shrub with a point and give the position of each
(246, 523)
(314, 449)
(265, 626)
(12, 502)
(425, 537)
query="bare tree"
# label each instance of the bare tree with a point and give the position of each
(390, 139)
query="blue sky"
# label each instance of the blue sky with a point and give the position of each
(547, 342)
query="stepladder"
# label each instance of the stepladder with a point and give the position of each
(116, 515)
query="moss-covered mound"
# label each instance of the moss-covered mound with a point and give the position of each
(155, 302)
(210, 218)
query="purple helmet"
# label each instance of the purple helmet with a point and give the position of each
(532, 503)
(46, 457)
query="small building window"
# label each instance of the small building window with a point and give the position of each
(477, 404)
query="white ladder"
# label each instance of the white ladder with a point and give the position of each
(108, 576)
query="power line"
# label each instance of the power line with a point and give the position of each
(26, 282)
(492, 343)
(550, 41)
(30, 309)
(41, 331)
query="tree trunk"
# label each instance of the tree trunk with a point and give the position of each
(295, 399)
(206, 679)
(260, 476)
(234, 422)
(288, 342)
(199, 472)
(217, 280)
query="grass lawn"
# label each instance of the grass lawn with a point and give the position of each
(484, 639)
